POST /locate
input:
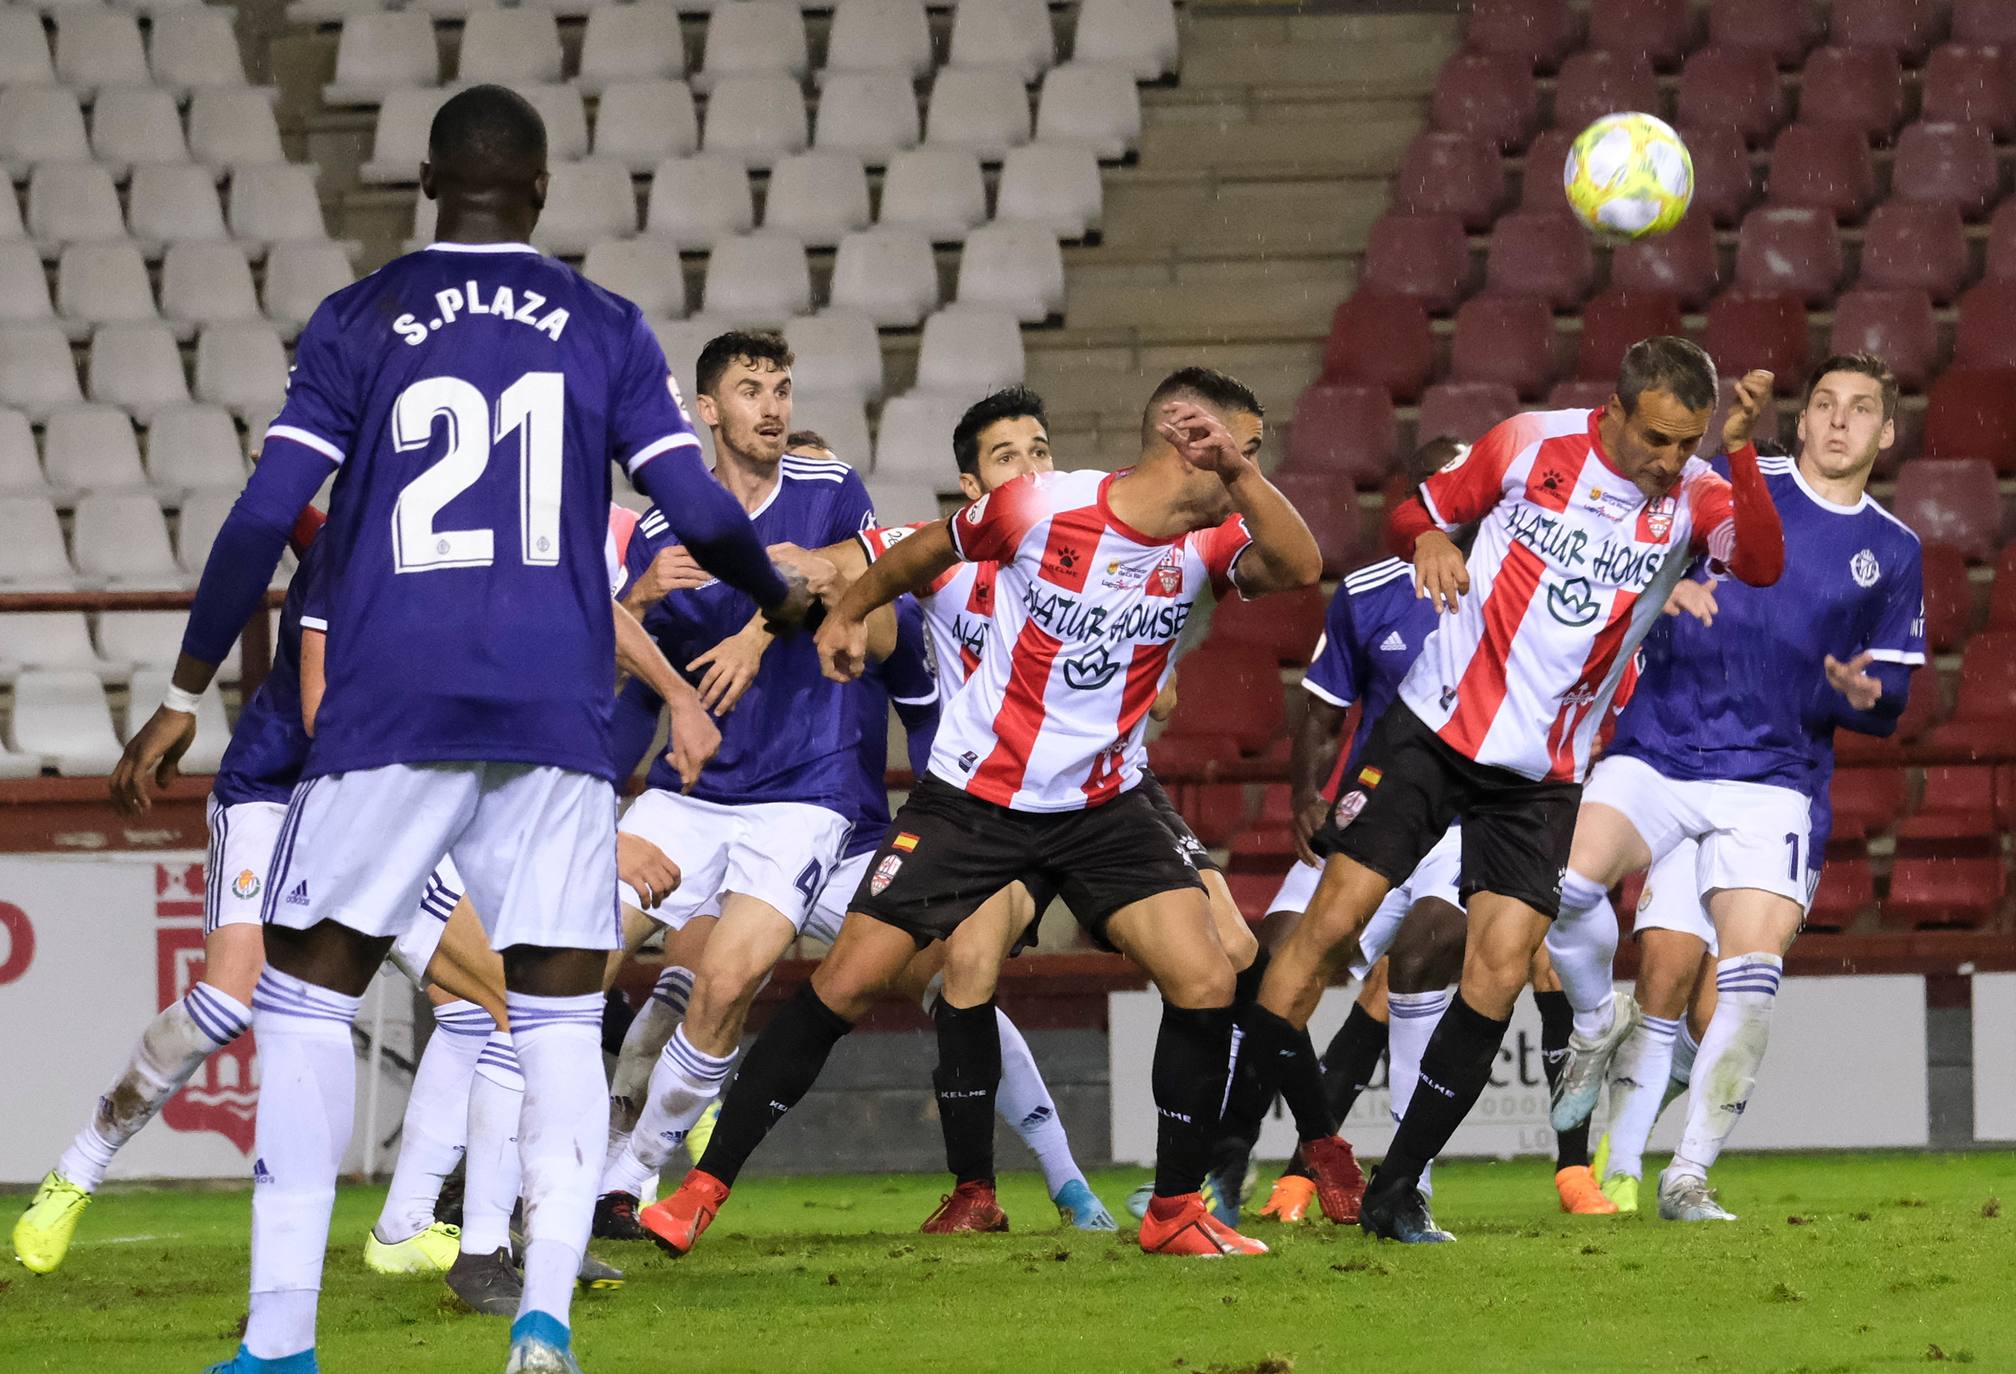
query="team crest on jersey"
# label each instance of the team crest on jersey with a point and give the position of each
(245, 886)
(1457, 459)
(1864, 568)
(1348, 807)
(885, 874)
(1167, 579)
(1657, 519)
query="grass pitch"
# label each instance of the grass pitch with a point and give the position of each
(1840, 1263)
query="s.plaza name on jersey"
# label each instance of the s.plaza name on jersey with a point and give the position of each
(451, 305)
(1067, 617)
(1565, 546)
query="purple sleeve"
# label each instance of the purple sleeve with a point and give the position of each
(1333, 672)
(920, 728)
(1881, 719)
(249, 546)
(710, 523)
(633, 724)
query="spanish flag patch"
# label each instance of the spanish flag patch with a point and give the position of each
(1369, 777)
(904, 841)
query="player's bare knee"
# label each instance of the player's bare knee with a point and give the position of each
(1427, 954)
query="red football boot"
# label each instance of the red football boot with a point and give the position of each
(676, 1222)
(1185, 1226)
(969, 1207)
(1340, 1183)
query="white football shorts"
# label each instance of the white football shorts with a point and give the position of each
(535, 844)
(780, 853)
(239, 867)
(1437, 875)
(1751, 834)
(1671, 899)
(829, 913)
(413, 951)
(1297, 888)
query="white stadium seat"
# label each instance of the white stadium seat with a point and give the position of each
(232, 127)
(50, 639)
(982, 109)
(242, 367)
(37, 373)
(636, 42)
(1014, 267)
(20, 465)
(872, 115)
(24, 49)
(60, 715)
(423, 224)
(40, 124)
(755, 119)
(902, 500)
(968, 352)
(133, 640)
(1138, 35)
(73, 202)
(838, 419)
(136, 367)
(31, 545)
(207, 283)
(938, 192)
(511, 47)
(194, 47)
(1055, 185)
(646, 271)
(193, 446)
(24, 286)
(92, 447)
(298, 276)
(752, 38)
(878, 35)
(566, 119)
(640, 123)
(100, 47)
(698, 201)
(399, 136)
(11, 227)
(819, 197)
(1011, 34)
(132, 124)
(275, 203)
(682, 341)
(213, 730)
(1096, 106)
(175, 203)
(916, 439)
(586, 202)
(838, 354)
(889, 275)
(203, 515)
(759, 280)
(383, 52)
(121, 538)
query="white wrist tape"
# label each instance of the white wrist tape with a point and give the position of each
(175, 699)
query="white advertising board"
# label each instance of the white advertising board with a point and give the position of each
(1995, 1056)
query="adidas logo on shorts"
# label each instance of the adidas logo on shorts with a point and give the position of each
(299, 896)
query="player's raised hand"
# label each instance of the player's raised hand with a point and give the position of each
(842, 644)
(1852, 680)
(1693, 598)
(821, 575)
(151, 759)
(1753, 389)
(1440, 575)
(730, 667)
(647, 868)
(1201, 438)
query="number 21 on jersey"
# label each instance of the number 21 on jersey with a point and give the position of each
(533, 408)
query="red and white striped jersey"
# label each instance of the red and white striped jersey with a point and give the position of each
(622, 524)
(1087, 612)
(958, 607)
(1570, 567)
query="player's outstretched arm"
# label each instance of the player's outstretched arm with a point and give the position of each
(1870, 695)
(695, 737)
(914, 563)
(714, 528)
(1752, 543)
(1283, 554)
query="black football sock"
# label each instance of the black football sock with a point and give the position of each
(1454, 1069)
(1557, 1023)
(1352, 1059)
(1246, 983)
(1188, 1080)
(779, 1069)
(967, 1076)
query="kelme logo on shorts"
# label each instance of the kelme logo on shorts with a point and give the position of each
(1571, 602)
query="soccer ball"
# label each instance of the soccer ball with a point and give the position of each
(1629, 176)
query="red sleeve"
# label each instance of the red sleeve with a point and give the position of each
(877, 540)
(1736, 523)
(1405, 523)
(1472, 482)
(306, 528)
(991, 529)
(1220, 548)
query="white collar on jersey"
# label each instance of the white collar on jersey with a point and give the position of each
(481, 248)
(1831, 507)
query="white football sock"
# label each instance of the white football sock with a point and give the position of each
(683, 1082)
(437, 1120)
(649, 1032)
(1582, 942)
(490, 1184)
(1725, 1071)
(174, 1045)
(307, 1095)
(1637, 1088)
(1685, 1047)
(1411, 1021)
(559, 1043)
(1024, 1102)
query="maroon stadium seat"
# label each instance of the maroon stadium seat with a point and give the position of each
(1950, 164)
(1984, 709)
(1580, 393)
(1463, 410)
(1423, 256)
(1615, 320)
(1540, 181)
(1486, 96)
(1859, 87)
(1986, 334)
(1785, 31)
(1536, 31)
(2001, 251)
(1229, 693)
(1285, 625)
(1971, 413)
(1447, 173)
(1824, 167)
(1951, 501)
(1895, 324)
(1905, 27)
(1508, 339)
(1541, 253)
(1788, 249)
(1927, 892)
(2005, 796)
(1725, 184)
(1736, 86)
(1971, 85)
(1921, 246)
(1725, 399)
(1984, 21)
(2002, 596)
(1331, 508)
(1661, 29)
(1381, 339)
(1176, 751)
(1924, 710)
(1599, 82)
(1949, 598)
(1866, 801)
(1956, 812)
(1683, 264)
(1749, 329)
(1345, 430)
(1847, 889)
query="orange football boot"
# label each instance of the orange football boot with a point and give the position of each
(1289, 1202)
(677, 1222)
(1184, 1226)
(1581, 1194)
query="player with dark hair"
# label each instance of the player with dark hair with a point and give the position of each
(1587, 518)
(428, 742)
(1729, 743)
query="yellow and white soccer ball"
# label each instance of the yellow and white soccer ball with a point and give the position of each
(1629, 176)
